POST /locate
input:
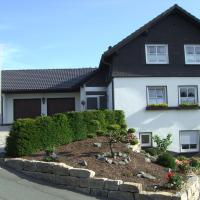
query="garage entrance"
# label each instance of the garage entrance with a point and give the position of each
(60, 105)
(26, 108)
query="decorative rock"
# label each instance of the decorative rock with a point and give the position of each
(118, 195)
(101, 158)
(82, 162)
(122, 163)
(115, 162)
(81, 173)
(130, 187)
(112, 184)
(97, 183)
(148, 176)
(148, 160)
(119, 154)
(124, 155)
(97, 145)
(98, 192)
(109, 161)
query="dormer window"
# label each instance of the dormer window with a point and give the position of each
(192, 54)
(156, 54)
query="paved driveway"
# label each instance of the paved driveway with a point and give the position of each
(14, 187)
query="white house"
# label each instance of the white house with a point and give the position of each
(153, 75)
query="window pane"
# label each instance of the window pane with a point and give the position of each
(151, 49)
(190, 50)
(193, 146)
(161, 50)
(197, 50)
(183, 92)
(92, 103)
(145, 139)
(152, 93)
(185, 146)
(191, 92)
(160, 92)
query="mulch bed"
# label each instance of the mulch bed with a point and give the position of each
(72, 153)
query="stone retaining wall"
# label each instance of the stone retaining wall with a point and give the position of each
(84, 181)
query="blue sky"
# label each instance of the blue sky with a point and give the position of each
(71, 33)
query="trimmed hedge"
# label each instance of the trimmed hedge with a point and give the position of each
(28, 136)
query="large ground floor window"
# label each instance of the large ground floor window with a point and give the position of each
(189, 141)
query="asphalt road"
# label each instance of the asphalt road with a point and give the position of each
(18, 187)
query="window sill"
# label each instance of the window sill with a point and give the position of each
(173, 108)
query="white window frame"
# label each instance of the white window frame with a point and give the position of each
(188, 87)
(195, 55)
(189, 149)
(156, 87)
(95, 96)
(157, 62)
(150, 139)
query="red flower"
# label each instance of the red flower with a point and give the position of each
(169, 175)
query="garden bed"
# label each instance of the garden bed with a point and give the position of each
(85, 150)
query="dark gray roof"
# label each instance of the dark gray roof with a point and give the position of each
(44, 80)
(144, 28)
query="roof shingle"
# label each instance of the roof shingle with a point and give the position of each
(41, 80)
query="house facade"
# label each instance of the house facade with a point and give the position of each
(153, 75)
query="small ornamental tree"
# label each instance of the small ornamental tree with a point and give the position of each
(162, 144)
(114, 136)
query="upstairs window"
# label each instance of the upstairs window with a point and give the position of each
(188, 95)
(156, 54)
(192, 54)
(157, 94)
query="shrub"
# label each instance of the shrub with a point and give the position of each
(131, 130)
(166, 160)
(152, 151)
(100, 133)
(174, 181)
(28, 136)
(195, 162)
(160, 105)
(90, 135)
(184, 167)
(49, 150)
(181, 158)
(134, 141)
(162, 144)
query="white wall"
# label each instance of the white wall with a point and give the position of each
(8, 102)
(130, 96)
(109, 96)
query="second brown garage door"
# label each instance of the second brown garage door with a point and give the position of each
(26, 108)
(60, 105)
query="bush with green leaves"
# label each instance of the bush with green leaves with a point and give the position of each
(152, 151)
(162, 144)
(28, 136)
(114, 136)
(131, 130)
(195, 162)
(166, 160)
(134, 141)
(175, 181)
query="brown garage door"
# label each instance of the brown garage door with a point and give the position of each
(60, 105)
(27, 108)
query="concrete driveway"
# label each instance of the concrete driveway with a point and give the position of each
(18, 187)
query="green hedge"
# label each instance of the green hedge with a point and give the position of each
(28, 136)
